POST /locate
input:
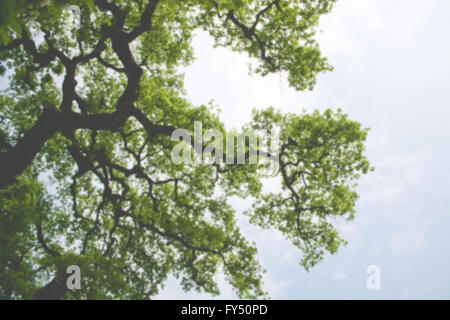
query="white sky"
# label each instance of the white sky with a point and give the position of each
(392, 73)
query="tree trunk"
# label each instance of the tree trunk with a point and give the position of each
(54, 290)
(15, 161)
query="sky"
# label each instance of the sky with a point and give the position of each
(392, 74)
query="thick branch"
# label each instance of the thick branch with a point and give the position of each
(15, 161)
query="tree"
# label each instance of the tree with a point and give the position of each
(85, 149)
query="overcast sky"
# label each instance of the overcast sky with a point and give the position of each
(392, 74)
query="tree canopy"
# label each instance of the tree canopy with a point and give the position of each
(86, 174)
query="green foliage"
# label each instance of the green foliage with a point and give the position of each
(322, 156)
(22, 206)
(113, 201)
